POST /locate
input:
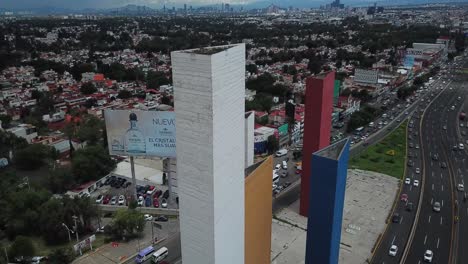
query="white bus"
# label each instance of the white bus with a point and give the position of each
(160, 255)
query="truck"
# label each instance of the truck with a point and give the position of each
(462, 115)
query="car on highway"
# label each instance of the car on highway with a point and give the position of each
(461, 146)
(160, 218)
(455, 148)
(443, 165)
(417, 146)
(416, 183)
(418, 171)
(410, 163)
(409, 207)
(393, 250)
(411, 145)
(396, 218)
(460, 187)
(148, 217)
(404, 197)
(435, 157)
(408, 181)
(444, 127)
(428, 255)
(99, 199)
(436, 207)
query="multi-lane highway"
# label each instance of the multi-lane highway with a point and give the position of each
(439, 165)
(402, 218)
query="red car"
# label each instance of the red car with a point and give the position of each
(156, 202)
(158, 193)
(404, 197)
(106, 199)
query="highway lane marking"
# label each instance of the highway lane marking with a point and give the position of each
(401, 220)
(425, 238)
(429, 219)
(441, 175)
(432, 186)
(442, 187)
(442, 203)
(432, 174)
(432, 200)
(467, 211)
(441, 220)
(393, 239)
(438, 240)
(411, 187)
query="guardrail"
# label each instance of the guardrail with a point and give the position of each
(146, 210)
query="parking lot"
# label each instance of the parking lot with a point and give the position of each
(117, 190)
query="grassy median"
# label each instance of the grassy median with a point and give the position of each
(387, 156)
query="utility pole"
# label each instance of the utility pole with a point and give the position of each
(6, 255)
(132, 167)
(76, 227)
(152, 233)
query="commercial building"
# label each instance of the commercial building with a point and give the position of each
(209, 98)
(317, 126)
(258, 211)
(326, 201)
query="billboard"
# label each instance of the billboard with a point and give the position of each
(141, 133)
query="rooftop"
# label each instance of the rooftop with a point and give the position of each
(333, 151)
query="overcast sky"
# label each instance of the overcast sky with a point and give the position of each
(79, 4)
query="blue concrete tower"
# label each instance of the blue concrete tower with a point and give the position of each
(327, 192)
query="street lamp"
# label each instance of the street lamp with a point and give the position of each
(76, 227)
(69, 231)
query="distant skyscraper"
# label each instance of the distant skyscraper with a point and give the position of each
(185, 8)
(317, 126)
(327, 193)
(209, 98)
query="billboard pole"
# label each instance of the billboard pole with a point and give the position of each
(132, 167)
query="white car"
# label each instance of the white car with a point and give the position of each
(415, 183)
(436, 207)
(278, 166)
(428, 255)
(408, 181)
(121, 200)
(164, 203)
(418, 170)
(460, 187)
(37, 259)
(393, 250)
(141, 201)
(99, 199)
(148, 217)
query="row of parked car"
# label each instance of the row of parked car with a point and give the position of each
(117, 182)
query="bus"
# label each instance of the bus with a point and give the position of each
(160, 255)
(144, 255)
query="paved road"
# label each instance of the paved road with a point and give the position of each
(434, 229)
(173, 245)
(397, 233)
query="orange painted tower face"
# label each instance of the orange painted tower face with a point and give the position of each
(317, 127)
(258, 212)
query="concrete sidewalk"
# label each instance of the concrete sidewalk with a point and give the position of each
(369, 198)
(113, 253)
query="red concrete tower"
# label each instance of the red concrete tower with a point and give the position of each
(317, 127)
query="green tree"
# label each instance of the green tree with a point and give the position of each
(61, 256)
(252, 68)
(59, 180)
(5, 121)
(88, 88)
(91, 163)
(34, 156)
(124, 94)
(127, 223)
(89, 129)
(22, 246)
(272, 144)
(156, 79)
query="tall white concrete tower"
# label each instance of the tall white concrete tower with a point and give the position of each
(209, 94)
